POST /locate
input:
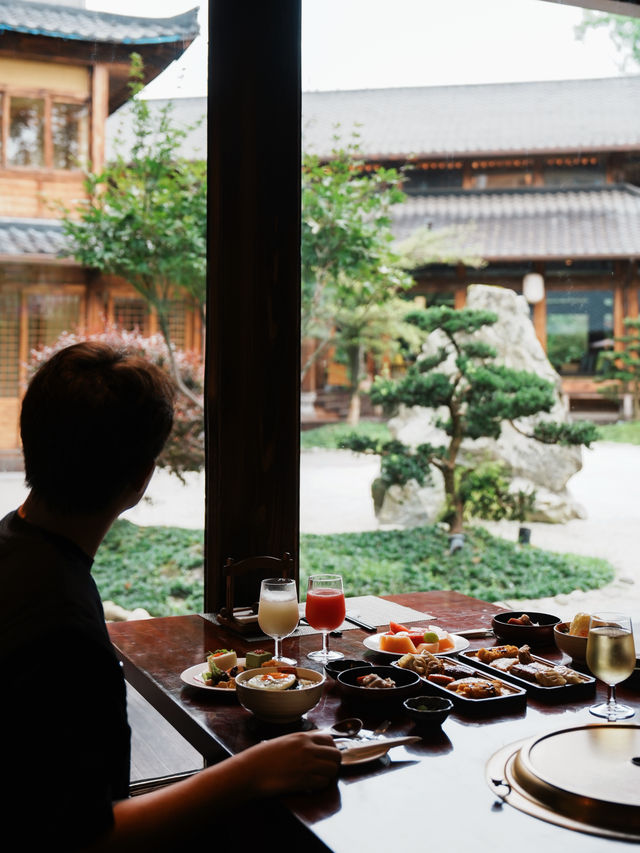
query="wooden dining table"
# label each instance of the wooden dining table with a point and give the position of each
(433, 793)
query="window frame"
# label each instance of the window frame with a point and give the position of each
(48, 98)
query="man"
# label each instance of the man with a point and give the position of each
(93, 422)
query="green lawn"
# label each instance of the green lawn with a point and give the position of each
(330, 436)
(626, 432)
(160, 568)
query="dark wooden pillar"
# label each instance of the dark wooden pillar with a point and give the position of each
(253, 309)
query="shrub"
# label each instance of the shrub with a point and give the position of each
(184, 450)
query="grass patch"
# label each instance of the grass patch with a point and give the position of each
(160, 568)
(625, 432)
(330, 436)
(386, 562)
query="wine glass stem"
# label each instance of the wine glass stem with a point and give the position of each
(277, 647)
(611, 701)
(325, 643)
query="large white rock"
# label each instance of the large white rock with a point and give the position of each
(545, 469)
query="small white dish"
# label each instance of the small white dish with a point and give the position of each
(193, 677)
(373, 642)
(363, 751)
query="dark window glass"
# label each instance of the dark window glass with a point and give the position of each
(574, 177)
(579, 328)
(423, 180)
(26, 132)
(70, 134)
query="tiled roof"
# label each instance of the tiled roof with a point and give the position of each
(185, 113)
(497, 118)
(30, 236)
(598, 222)
(602, 222)
(69, 22)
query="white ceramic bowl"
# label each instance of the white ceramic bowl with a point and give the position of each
(279, 706)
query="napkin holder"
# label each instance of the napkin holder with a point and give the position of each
(243, 619)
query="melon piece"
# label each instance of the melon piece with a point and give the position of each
(433, 648)
(445, 640)
(446, 643)
(399, 644)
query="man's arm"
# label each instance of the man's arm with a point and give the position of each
(300, 762)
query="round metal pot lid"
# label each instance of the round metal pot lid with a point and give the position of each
(585, 778)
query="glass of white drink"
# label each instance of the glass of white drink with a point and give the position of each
(278, 612)
(611, 656)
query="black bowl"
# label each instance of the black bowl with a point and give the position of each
(538, 634)
(406, 683)
(334, 667)
(428, 710)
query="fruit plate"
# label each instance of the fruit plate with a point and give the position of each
(554, 693)
(511, 697)
(373, 642)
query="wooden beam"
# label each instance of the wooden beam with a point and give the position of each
(99, 114)
(253, 306)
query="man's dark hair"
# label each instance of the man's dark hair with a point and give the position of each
(93, 418)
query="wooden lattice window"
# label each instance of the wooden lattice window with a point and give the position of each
(178, 325)
(50, 314)
(131, 314)
(9, 342)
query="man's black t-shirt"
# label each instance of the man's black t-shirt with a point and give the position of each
(64, 735)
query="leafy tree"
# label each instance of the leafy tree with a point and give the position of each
(145, 217)
(184, 450)
(621, 367)
(350, 274)
(624, 32)
(353, 276)
(462, 378)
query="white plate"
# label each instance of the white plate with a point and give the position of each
(193, 677)
(373, 642)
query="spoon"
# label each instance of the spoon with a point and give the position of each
(345, 728)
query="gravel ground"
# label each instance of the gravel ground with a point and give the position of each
(335, 497)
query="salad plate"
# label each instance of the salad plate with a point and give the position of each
(373, 643)
(193, 677)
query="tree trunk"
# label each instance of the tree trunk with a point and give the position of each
(354, 356)
(353, 416)
(454, 504)
(164, 328)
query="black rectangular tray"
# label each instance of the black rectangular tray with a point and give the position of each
(514, 700)
(557, 693)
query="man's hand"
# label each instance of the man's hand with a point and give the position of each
(303, 761)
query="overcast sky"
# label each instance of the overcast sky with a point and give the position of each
(363, 44)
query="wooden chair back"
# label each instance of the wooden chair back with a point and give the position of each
(244, 617)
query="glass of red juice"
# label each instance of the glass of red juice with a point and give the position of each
(324, 610)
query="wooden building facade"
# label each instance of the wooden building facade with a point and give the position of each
(538, 179)
(63, 71)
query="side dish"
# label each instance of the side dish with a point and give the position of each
(222, 669)
(519, 662)
(257, 658)
(375, 681)
(579, 626)
(282, 678)
(456, 677)
(439, 670)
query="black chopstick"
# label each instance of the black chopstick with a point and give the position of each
(360, 624)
